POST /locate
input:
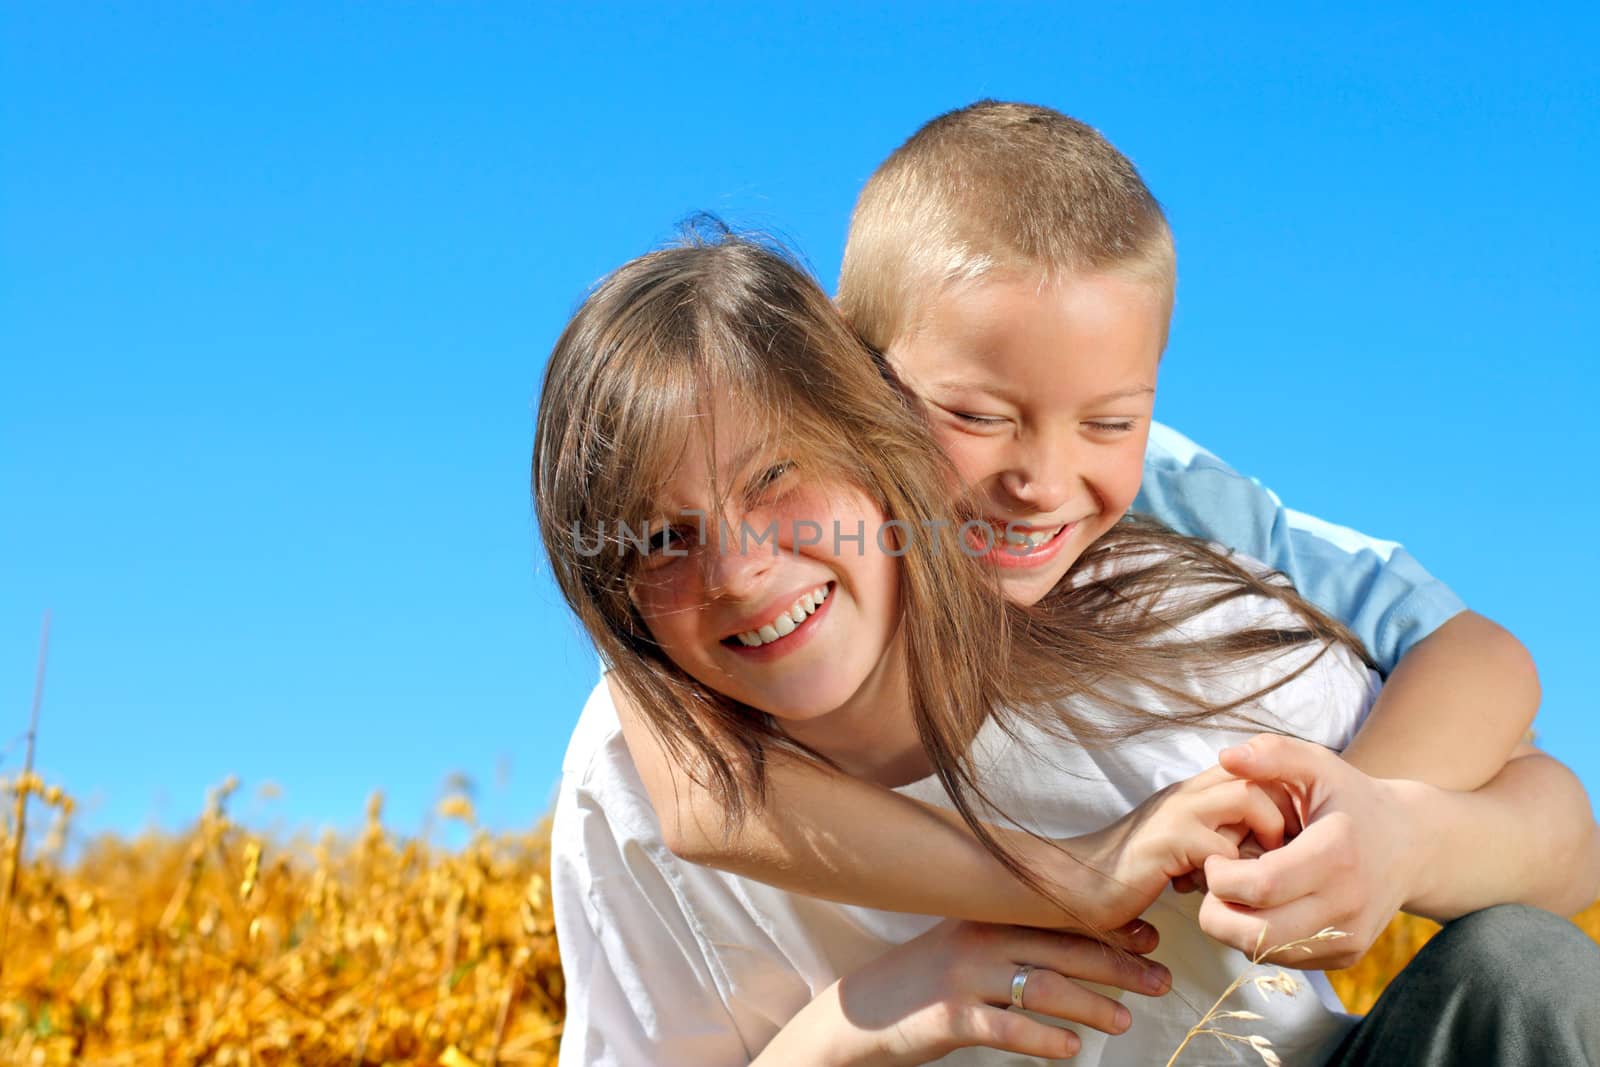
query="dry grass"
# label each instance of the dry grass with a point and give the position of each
(1360, 985)
(1217, 1020)
(216, 947)
(213, 947)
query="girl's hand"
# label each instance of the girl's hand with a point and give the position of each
(1169, 837)
(951, 988)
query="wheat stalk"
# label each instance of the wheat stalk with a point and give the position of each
(1282, 982)
(24, 787)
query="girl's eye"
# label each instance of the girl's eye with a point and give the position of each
(772, 475)
(1110, 425)
(978, 420)
(666, 543)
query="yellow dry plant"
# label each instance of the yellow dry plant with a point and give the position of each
(1359, 986)
(217, 947)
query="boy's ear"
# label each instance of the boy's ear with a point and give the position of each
(913, 399)
(887, 371)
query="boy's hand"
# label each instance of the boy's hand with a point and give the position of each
(1352, 867)
(1174, 832)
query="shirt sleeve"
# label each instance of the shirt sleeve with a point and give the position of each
(1374, 587)
(1315, 691)
(639, 990)
(1327, 696)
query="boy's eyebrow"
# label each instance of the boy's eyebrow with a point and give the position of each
(1124, 394)
(996, 389)
(978, 385)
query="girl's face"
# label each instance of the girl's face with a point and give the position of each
(793, 609)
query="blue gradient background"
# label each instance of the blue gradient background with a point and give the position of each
(277, 284)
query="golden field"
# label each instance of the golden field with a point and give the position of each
(216, 947)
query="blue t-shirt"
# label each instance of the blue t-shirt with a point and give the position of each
(1374, 587)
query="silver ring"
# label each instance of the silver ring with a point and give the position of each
(1019, 984)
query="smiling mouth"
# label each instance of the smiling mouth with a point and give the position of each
(1022, 548)
(785, 622)
(1020, 541)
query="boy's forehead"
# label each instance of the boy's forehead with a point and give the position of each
(1002, 297)
(969, 333)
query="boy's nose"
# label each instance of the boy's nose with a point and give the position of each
(1039, 479)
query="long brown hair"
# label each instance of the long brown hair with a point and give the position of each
(734, 315)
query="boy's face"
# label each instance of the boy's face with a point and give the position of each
(1041, 394)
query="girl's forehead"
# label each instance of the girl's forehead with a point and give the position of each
(695, 451)
(715, 452)
(709, 451)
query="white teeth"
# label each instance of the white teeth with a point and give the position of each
(786, 623)
(1031, 539)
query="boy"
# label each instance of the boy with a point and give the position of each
(1018, 276)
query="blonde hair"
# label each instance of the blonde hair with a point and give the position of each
(995, 187)
(722, 315)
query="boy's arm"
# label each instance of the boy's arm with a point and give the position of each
(1374, 587)
(1460, 695)
(1373, 846)
(1461, 691)
(1453, 881)
(1459, 698)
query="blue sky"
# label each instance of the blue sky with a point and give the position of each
(277, 283)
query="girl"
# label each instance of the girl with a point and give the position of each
(755, 529)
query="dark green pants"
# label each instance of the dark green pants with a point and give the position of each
(1506, 985)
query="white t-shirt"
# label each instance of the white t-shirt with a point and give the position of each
(668, 963)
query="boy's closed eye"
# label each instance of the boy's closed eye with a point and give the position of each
(1110, 426)
(974, 419)
(1100, 426)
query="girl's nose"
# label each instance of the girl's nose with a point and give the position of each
(738, 565)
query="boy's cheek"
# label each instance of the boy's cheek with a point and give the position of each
(974, 458)
(1129, 474)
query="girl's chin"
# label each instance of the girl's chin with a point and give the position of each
(809, 711)
(800, 708)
